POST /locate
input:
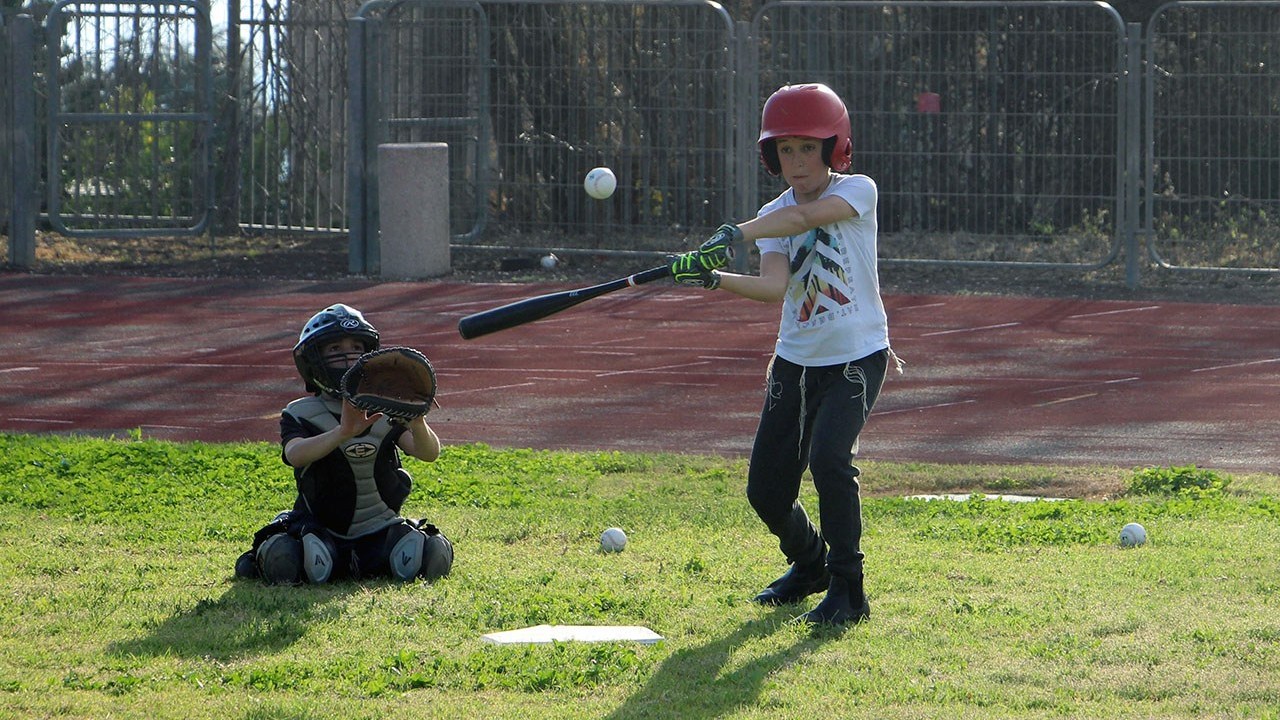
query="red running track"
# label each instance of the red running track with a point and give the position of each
(988, 379)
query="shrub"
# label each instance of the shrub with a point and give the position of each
(1182, 481)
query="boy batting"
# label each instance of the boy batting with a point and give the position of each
(817, 243)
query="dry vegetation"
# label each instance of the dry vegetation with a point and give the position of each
(312, 257)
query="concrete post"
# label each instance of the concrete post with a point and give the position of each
(413, 204)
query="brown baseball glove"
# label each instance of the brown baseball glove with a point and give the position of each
(398, 382)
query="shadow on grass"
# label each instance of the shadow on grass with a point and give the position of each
(250, 618)
(693, 683)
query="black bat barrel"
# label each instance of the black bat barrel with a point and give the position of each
(535, 308)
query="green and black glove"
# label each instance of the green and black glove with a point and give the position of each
(718, 250)
(687, 269)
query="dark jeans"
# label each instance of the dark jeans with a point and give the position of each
(811, 418)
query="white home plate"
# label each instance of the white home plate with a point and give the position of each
(547, 634)
(961, 497)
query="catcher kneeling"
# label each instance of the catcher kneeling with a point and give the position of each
(343, 444)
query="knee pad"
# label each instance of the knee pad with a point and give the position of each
(317, 558)
(280, 560)
(406, 554)
(418, 553)
(437, 554)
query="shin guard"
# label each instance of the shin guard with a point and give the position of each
(317, 558)
(438, 556)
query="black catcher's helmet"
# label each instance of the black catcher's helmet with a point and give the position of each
(330, 323)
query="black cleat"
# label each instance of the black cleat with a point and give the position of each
(842, 605)
(247, 566)
(798, 583)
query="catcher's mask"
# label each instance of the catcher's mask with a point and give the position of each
(325, 326)
(812, 110)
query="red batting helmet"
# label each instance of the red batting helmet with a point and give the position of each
(813, 110)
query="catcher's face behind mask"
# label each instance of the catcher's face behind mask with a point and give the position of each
(323, 332)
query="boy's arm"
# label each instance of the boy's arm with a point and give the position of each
(775, 267)
(769, 286)
(798, 219)
(420, 440)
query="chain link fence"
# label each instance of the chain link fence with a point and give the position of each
(129, 118)
(531, 95)
(991, 128)
(285, 106)
(999, 133)
(1213, 123)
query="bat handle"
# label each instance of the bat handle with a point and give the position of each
(654, 273)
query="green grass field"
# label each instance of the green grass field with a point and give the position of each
(119, 602)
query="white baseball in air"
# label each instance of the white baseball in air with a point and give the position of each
(549, 261)
(600, 183)
(613, 540)
(1133, 535)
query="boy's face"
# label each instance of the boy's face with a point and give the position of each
(802, 165)
(341, 353)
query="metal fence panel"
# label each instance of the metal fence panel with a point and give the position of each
(999, 132)
(129, 117)
(289, 61)
(532, 94)
(1213, 126)
(993, 129)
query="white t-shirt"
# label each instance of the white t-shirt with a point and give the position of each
(832, 312)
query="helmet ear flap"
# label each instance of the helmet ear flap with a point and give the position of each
(769, 156)
(838, 153)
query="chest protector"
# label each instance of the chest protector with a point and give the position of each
(359, 487)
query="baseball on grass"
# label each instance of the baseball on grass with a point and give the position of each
(550, 261)
(600, 183)
(1133, 535)
(613, 540)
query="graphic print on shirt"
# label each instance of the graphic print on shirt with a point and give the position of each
(821, 284)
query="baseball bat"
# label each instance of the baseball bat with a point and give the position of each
(536, 308)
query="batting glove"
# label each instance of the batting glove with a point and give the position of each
(718, 250)
(687, 270)
(707, 279)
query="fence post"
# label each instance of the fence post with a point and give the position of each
(1134, 178)
(357, 158)
(226, 174)
(744, 170)
(22, 220)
